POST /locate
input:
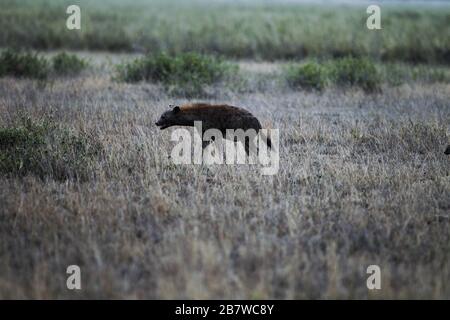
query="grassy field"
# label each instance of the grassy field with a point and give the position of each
(245, 30)
(363, 180)
(86, 178)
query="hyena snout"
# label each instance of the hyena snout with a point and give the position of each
(162, 124)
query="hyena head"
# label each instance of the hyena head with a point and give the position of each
(170, 118)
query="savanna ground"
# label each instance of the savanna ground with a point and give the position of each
(363, 177)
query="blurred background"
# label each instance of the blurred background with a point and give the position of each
(412, 31)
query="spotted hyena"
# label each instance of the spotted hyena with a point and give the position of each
(220, 117)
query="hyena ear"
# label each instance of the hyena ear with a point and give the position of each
(176, 109)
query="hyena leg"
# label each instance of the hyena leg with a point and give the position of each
(250, 149)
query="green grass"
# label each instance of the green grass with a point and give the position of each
(191, 74)
(308, 76)
(245, 30)
(344, 72)
(397, 74)
(186, 74)
(360, 72)
(46, 150)
(68, 64)
(23, 64)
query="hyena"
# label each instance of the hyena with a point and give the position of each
(220, 117)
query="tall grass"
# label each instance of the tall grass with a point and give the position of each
(26, 64)
(45, 149)
(23, 64)
(187, 74)
(360, 72)
(363, 180)
(264, 31)
(307, 76)
(344, 72)
(68, 64)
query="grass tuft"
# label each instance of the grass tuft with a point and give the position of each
(44, 149)
(185, 74)
(342, 72)
(68, 64)
(360, 72)
(23, 64)
(20, 64)
(309, 76)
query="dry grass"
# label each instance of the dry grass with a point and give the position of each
(363, 180)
